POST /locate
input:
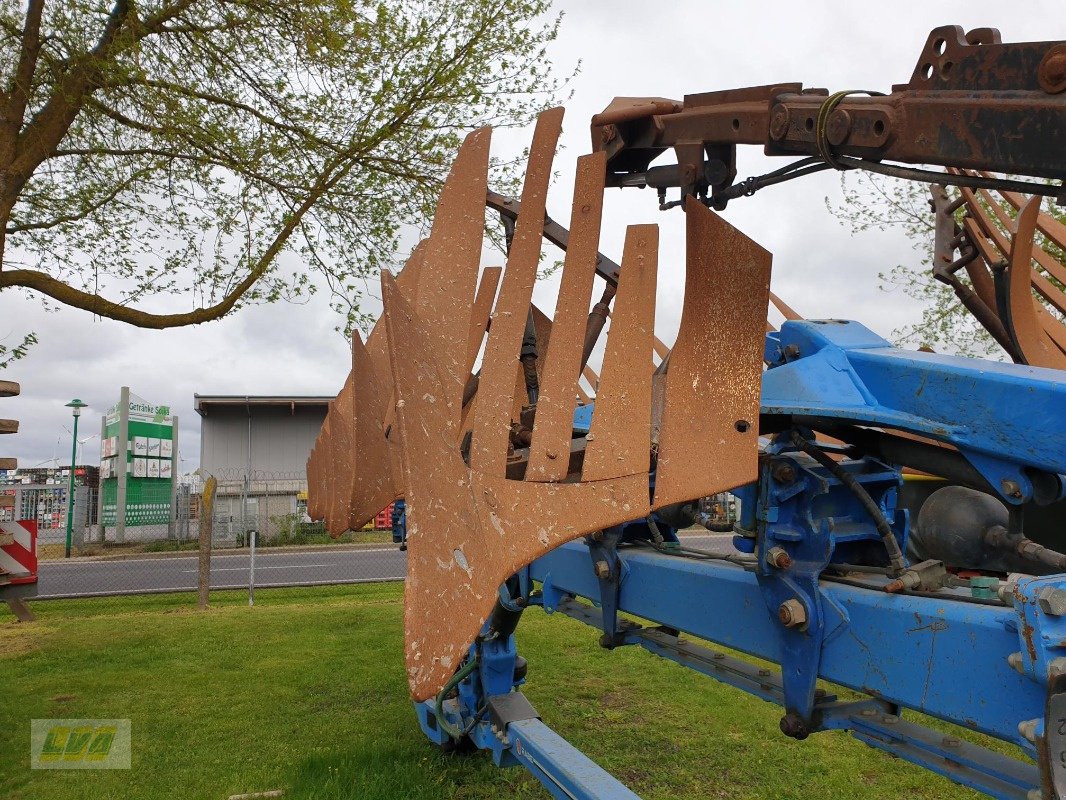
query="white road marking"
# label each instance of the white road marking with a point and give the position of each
(172, 559)
(280, 566)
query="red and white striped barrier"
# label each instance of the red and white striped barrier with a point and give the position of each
(18, 552)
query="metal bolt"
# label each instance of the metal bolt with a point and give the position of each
(868, 712)
(890, 719)
(838, 127)
(951, 741)
(783, 471)
(1010, 488)
(603, 570)
(792, 613)
(718, 656)
(1027, 729)
(764, 673)
(778, 557)
(779, 119)
(1052, 601)
(1016, 662)
(1051, 74)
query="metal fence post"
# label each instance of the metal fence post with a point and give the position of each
(251, 568)
(207, 504)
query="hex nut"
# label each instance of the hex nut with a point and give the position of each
(1016, 662)
(1052, 601)
(783, 471)
(792, 613)
(778, 557)
(603, 570)
(1027, 729)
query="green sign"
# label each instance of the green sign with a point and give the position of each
(146, 466)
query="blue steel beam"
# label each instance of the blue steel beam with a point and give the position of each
(874, 722)
(564, 770)
(944, 658)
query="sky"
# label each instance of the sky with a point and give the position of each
(625, 49)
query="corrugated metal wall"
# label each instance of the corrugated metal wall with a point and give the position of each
(281, 439)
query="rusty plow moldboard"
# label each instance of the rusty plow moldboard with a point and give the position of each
(488, 461)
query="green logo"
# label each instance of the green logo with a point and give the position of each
(80, 744)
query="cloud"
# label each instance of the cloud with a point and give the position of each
(625, 48)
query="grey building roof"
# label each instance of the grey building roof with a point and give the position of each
(203, 403)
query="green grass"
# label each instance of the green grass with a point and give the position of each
(306, 692)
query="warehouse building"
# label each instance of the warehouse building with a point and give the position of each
(257, 449)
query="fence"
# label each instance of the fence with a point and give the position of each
(291, 550)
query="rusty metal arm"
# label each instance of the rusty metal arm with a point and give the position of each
(971, 102)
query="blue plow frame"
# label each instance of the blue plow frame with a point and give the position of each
(993, 666)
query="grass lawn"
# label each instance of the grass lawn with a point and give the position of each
(306, 692)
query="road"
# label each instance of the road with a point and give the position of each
(84, 578)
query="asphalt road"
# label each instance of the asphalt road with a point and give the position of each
(273, 568)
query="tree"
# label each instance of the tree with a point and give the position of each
(228, 150)
(876, 202)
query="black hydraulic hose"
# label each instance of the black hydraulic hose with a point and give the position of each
(895, 555)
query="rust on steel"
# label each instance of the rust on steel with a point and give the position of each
(8, 389)
(371, 485)
(453, 254)
(619, 440)
(492, 414)
(472, 523)
(480, 313)
(1029, 320)
(1001, 269)
(709, 446)
(367, 485)
(469, 530)
(786, 310)
(562, 359)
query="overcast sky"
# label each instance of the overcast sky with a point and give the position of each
(625, 48)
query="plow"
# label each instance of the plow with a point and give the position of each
(901, 512)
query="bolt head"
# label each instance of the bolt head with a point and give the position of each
(1051, 74)
(838, 127)
(603, 570)
(1010, 488)
(1052, 601)
(951, 741)
(779, 119)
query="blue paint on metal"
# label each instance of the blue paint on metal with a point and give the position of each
(399, 521)
(1003, 417)
(932, 654)
(583, 418)
(564, 770)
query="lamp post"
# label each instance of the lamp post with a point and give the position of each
(75, 406)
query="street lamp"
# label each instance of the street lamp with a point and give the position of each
(75, 407)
